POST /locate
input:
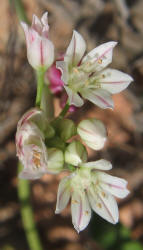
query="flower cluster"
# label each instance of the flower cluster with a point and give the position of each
(49, 146)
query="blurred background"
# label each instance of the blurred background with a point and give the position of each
(98, 21)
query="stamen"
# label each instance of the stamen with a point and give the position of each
(36, 158)
(103, 194)
(99, 61)
(74, 202)
(99, 205)
(75, 70)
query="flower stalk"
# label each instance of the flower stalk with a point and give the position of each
(65, 110)
(19, 10)
(47, 102)
(27, 214)
(40, 85)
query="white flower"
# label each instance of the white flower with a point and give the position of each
(87, 75)
(37, 160)
(89, 189)
(40, 50)
(31, 151)
(93, 133)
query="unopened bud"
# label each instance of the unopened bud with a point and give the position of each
(40, 50)
(75, 153)
(93, 133)
(55, 160)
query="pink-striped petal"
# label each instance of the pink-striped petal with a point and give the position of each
(36, 24)
(101, 56)
(62, 66)
(114, 80)
(81, 211)
(100, 97)
(103, 204)
(114, 185)
(101, 164)
(63, 195)
(75, 50)
(30, 174)
(45, 29)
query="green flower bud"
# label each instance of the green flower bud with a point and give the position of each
(49, 132)
(75, 153)
(67, 129)
(55, 160)
(55, 142)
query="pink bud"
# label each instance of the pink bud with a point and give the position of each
(63, 101)
(40, 50)
(54, 76)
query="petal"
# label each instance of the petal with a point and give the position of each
(44, 20)
(54, 76)
(101, 56)
(28, 33)
(81, 211)
(74, 98)
(103, 204)
(63, 194)
(46, 52)
(100, 97)
(101, 164)
(34, 52)
(30, 175)
(114, 80)
(114, 185)
(36, 24)
(75, 50)
(62, 66)
(41, 53)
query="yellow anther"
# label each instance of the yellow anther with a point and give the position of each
(86, 212)
(99, 61)
(36, 158)
(99, 205)
(103, 194)
(75, 70)
(74, 202)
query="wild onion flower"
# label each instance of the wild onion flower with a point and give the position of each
(89, 188)
(86, 76)
(40, 50)
(36, 158)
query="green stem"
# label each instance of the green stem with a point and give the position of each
(40, 86)
(65, 110)
(27, 214)
(47, 102)
(19, 10)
